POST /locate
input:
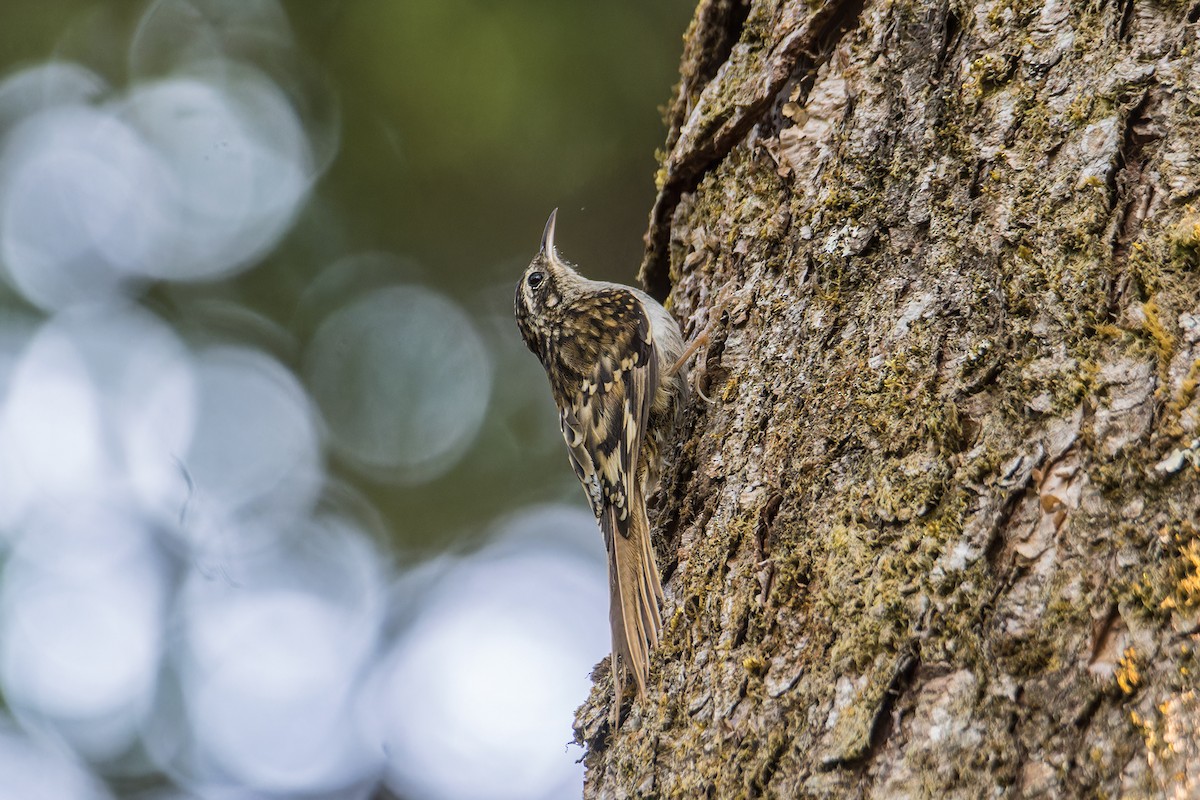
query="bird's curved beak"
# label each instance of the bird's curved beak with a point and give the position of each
(547, 248)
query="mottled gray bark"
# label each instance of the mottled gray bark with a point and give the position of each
(936, 533)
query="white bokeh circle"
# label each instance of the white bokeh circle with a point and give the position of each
(402, 379)
(475, 701)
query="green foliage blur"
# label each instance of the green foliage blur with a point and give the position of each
(467, 121)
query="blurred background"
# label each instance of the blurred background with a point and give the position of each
(284, 509)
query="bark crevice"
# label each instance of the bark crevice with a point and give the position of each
(746, 84)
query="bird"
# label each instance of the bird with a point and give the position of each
(615, 359)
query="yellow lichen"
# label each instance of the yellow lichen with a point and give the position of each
(1164, 342)
(1185, 237)
(755, 665)
(1187, 587)
(1128, 677)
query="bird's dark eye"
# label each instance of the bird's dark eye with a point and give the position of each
(535, 279)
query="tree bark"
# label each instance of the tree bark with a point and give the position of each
(935, 532)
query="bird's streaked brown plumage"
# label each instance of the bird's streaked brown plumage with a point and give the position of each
(608, 351)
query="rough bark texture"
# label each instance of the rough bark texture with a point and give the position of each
(936, 532)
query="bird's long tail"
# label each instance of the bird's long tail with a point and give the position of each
(635, 593)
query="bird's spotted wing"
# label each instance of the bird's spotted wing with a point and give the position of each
(604, 421)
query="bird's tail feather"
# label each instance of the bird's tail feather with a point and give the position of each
(635, 593)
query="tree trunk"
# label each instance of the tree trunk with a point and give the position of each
(935, 532)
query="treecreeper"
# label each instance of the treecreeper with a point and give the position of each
(615, 359)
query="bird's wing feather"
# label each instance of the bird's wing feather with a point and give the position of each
(604, 426)
(604, 420)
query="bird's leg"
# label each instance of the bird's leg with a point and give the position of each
(701, 340)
